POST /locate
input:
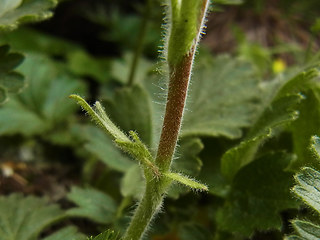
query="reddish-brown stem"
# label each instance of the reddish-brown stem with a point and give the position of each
(177, 92)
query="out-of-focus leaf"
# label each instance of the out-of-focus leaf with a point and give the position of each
(259, 192)
(10, 80)
(100, 144)
(29, 40)
(83, 64)
(92, 204)
(67, 233)
(192, 231)
(121, 68)
(25, 217)
(229, 2)
(133, 184)
(44, 104)
(130, 108)
(74, 57)
(15, 12)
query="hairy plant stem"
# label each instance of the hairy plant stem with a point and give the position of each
(147, 209)
(180, 66)
(140, 42)
(179, 76)
(177, 92)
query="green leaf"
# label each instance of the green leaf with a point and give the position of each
(191, 183)
(44, 104)
(306, 230)
(293, 237)
(259, 192)
(10, 80)
(120, 68)
(130, 108)
(16, 12)
(75, 58)
(100, 144)
(140, 152)
(92, 204)
(107, 235)
(305, 83)
(280, 112)
(83, 64)
(308, 187)
(223, 98)
(187, 162)
(133, 146)
(99, 116)
(306, 126)
(25, 217)
(133, 183)
(192, 231)
(67, 233)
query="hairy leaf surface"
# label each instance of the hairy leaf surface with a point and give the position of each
(308, 190)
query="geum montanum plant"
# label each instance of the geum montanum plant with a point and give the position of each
(185, 19)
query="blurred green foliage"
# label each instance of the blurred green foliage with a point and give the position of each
(246, 129)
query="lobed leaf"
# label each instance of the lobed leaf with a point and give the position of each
(308, 189)
(25, 217)
(280, 112)
(43, 105)
(257, 195)
(306, 230)
(16, 12)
